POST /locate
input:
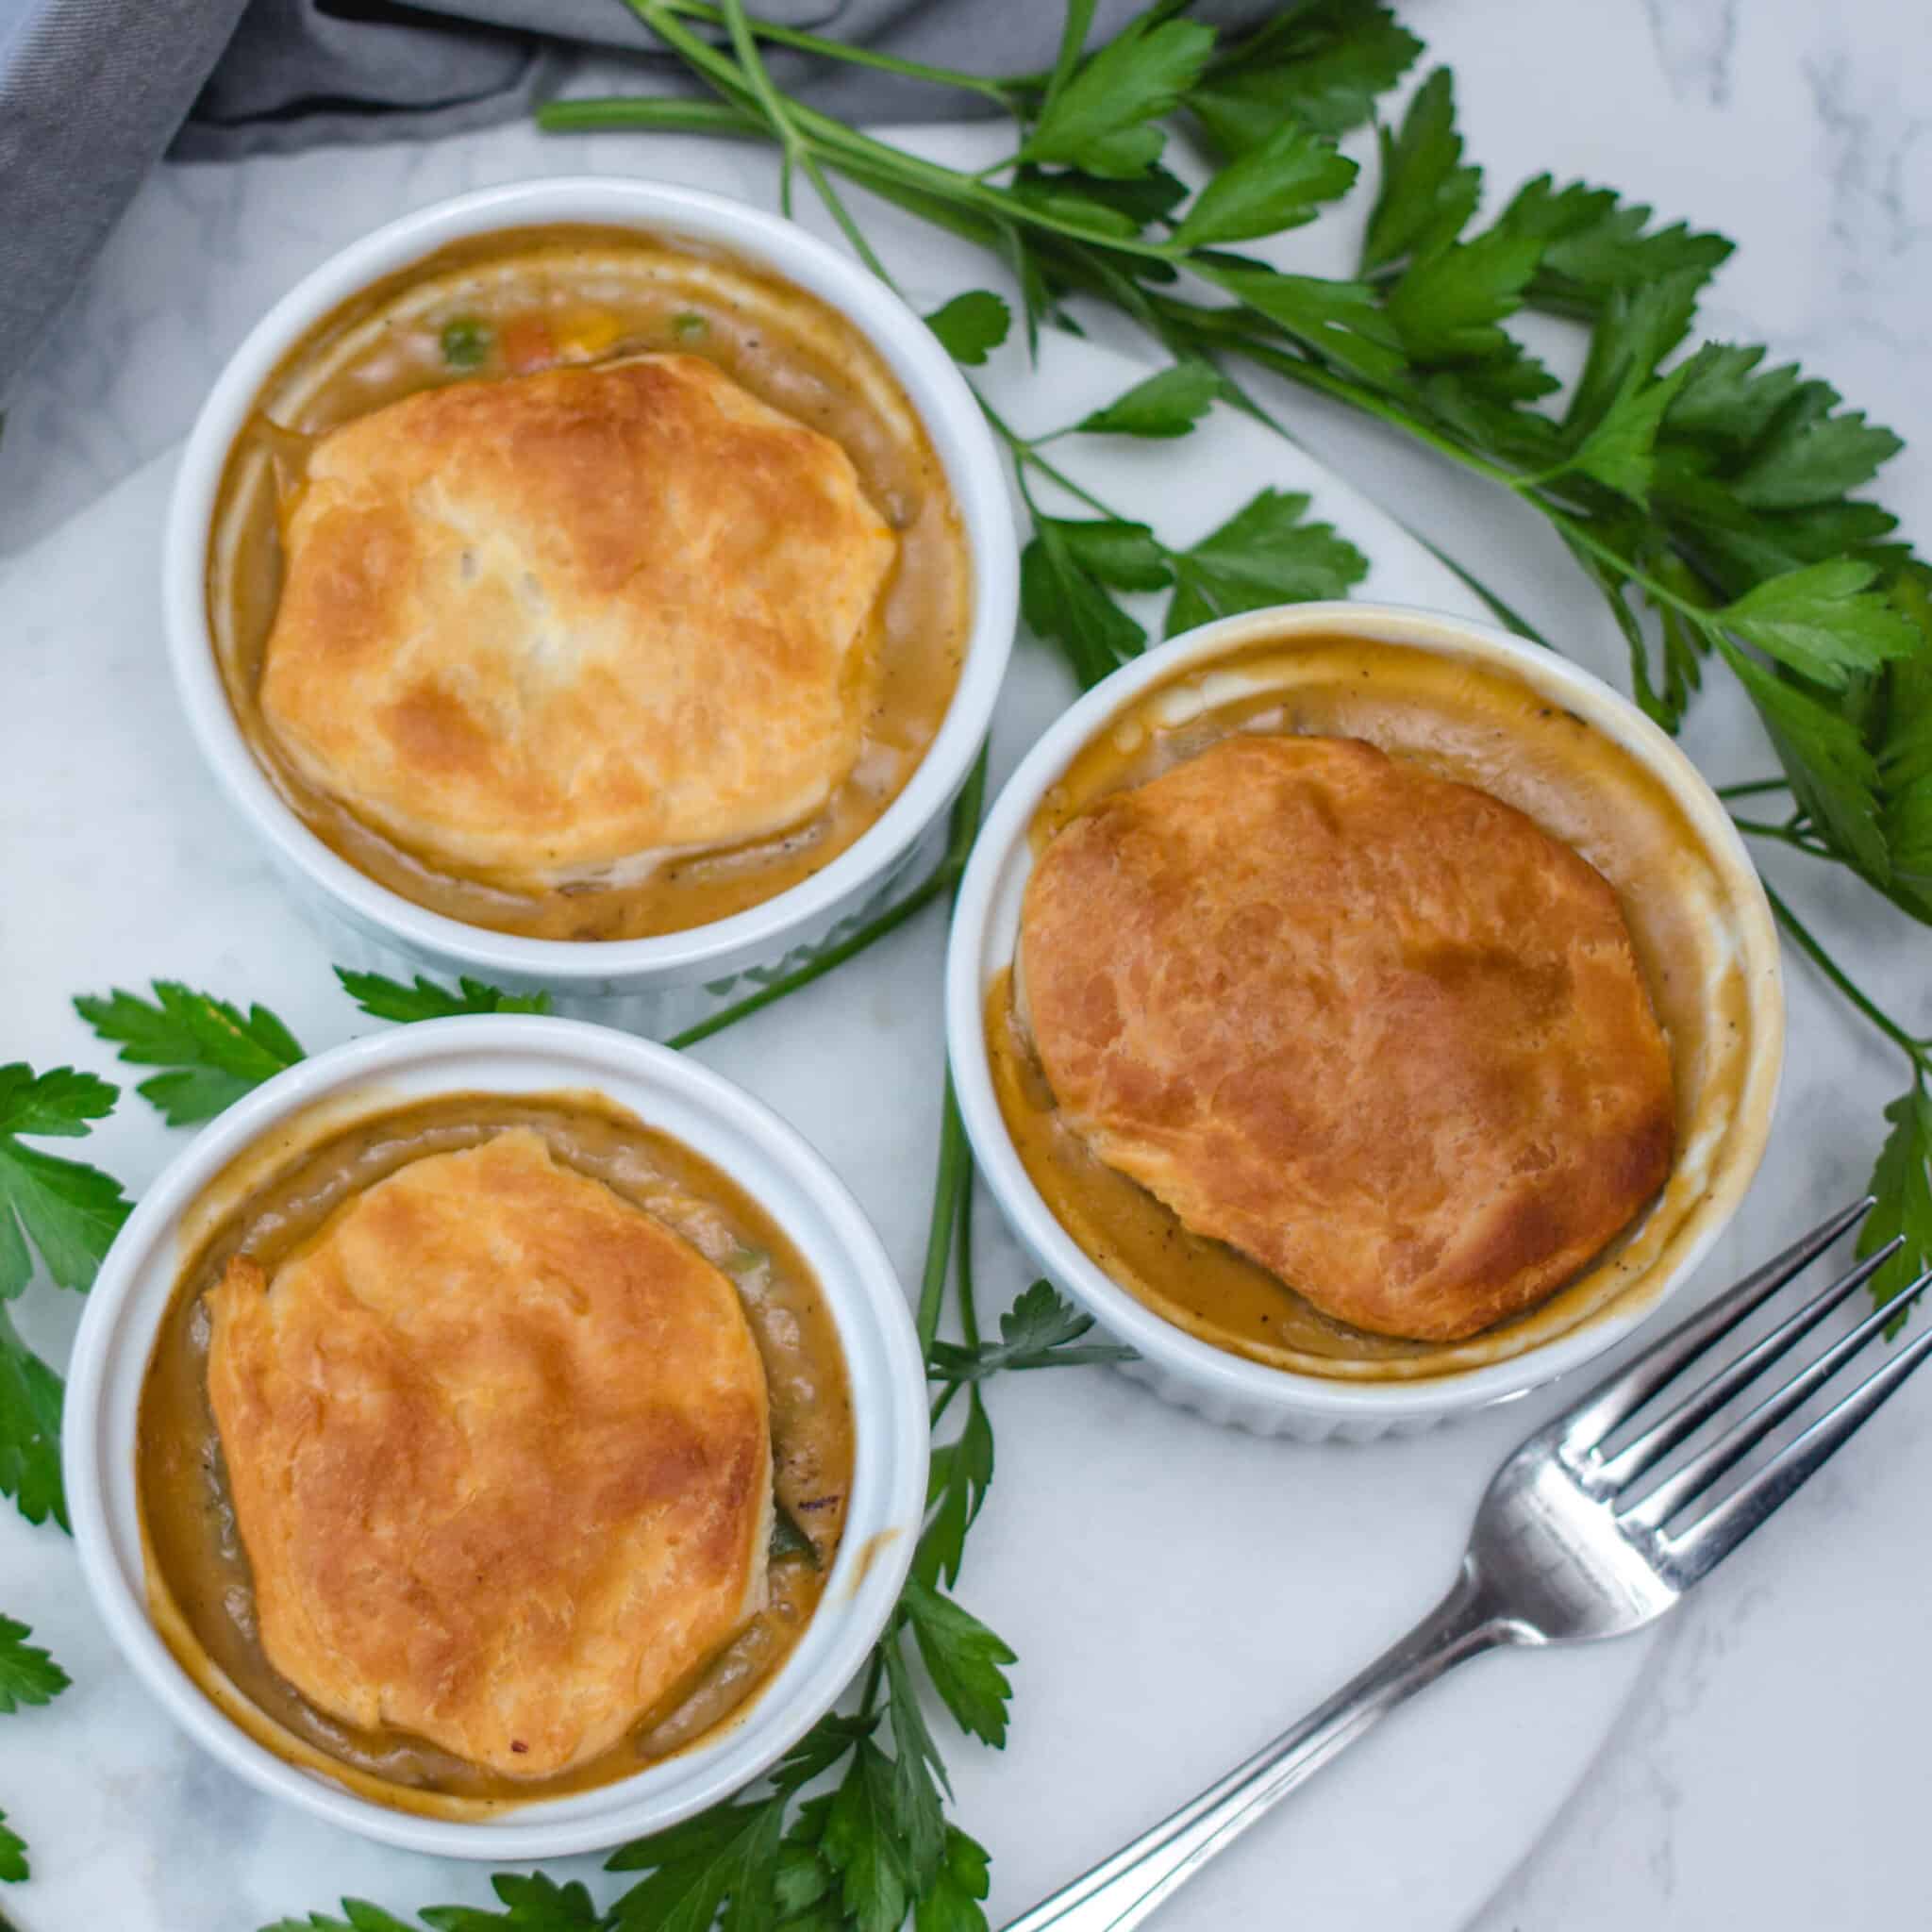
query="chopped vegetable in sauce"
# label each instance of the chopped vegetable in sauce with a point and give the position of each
(527, 345)
(465, 343)
(689, 326)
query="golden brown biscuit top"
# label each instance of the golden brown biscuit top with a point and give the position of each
(498, 1448)
(537, 628)
(1373, 1027)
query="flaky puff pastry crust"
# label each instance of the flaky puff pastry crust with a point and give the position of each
(499, 1454)
(533, 629)
(1372, 1027)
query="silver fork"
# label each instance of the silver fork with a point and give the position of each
(1570, 1544)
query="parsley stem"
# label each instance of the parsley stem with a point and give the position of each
(889, 921)
(1786, 835)
(954, 1161)
(820, 137)
(589, 114)
(1915, 1049)
(870, 1696)
(851, 55)
(1750, 788)
(1577, 531)
(1026, 453)
(969, 1313)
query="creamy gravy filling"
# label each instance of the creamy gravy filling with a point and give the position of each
(1476, 724)
(200, 1591)
(781, 344)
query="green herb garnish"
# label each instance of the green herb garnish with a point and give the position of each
(70, 1214)
(1709, 490)
(216, 1053)
(1697, 484)
(466, 342)
(426, 999)
(27, 1674)
(689, 326)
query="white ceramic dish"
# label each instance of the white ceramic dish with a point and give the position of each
(512, 1054)
(1193, 1371)
(647, 983)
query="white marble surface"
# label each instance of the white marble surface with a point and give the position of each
(1768, 1772)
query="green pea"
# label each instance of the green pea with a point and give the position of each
(466, 342)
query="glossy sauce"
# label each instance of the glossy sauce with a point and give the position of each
(546, 297)
(200, 1591)
(1475, 723)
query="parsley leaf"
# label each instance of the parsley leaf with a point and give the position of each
(30, 1396)
(1264, 554)
(971, 327)
(1448, 304)
(1595, 243)
(961, 1474)
(1726, 398)
(1279, 183)
(1823, 621)
(1425, 195)
(532, 1904)
(59, 1104)
(1040, 1331)
(963, 1659)
(13, 1865)
(1167, 404)
(1813, 453)
(1062, 600)
(1343, 321)
(70, 1213)
(951, 1902)
(1323, 65)
(28, 1674)
(1127, 556)
(1832, 774)
(1902, 1185)
(726, 1852)
(1636, 329)
(858, 1843)
(218, 1055)
(358, 1915)
(820, 1749)
(1620, 451)
(1103, 119)
(388, 999)
(917, 1772)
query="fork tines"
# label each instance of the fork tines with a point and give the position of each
(1688, 1550)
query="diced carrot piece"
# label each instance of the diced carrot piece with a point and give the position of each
(527, 345)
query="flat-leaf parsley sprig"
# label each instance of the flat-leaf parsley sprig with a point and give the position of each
(1708, 494)
(67, 1214)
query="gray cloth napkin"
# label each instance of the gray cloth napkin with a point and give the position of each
(94, 92)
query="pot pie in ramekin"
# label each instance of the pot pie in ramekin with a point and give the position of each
(1367, 1015)
(496, 1452)
(593, 585)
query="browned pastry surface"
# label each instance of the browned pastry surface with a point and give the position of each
(1372, 1027)
(534, 627)
(498, 1448)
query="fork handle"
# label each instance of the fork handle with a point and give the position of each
(1120, 1891)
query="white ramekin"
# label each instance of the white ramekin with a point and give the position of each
(1194, 1374)
(651, 984)
(508, 1054)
